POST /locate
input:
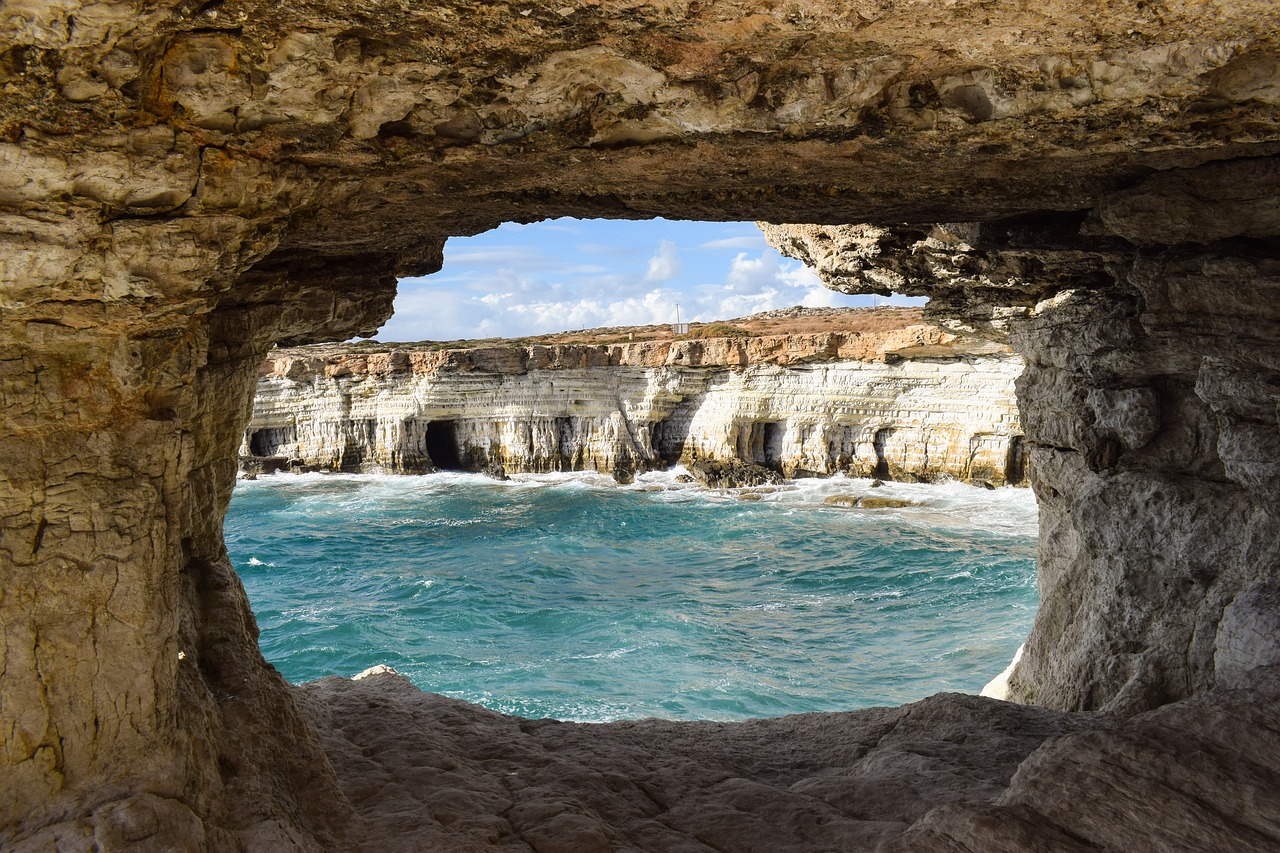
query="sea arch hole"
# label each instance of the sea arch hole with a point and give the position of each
(1015, 469)
(880, 444)
(438, 438)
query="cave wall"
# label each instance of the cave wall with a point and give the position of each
(1155, 446)
(185, 183)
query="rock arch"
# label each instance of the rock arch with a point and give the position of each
(186, 184)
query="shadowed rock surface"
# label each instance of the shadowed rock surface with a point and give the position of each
(184, 184)
(445, 775)
(430, 773)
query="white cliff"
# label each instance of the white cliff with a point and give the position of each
(907, 403)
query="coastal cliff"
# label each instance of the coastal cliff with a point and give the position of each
(907, 402)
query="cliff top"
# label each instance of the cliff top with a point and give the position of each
(786, 336)
(796, 320)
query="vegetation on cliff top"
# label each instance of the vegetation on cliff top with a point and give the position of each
(785, 321)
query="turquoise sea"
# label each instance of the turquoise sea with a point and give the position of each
(569, 596)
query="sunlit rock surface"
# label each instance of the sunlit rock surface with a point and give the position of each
(185, 184)
(907, 403)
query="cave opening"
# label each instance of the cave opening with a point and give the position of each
(222, 187)
(880, 444)
(441, 441)
(554, 436)
(668, 438)
(762, 443)
(772, 443)
(1015, 469)
(267, 442)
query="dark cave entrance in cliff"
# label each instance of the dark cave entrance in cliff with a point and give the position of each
(1015, 468)
(762, 443)
(441, 441)
(880, 444)
(267, 442)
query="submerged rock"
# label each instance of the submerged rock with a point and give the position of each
(863, 502)
(883, 503)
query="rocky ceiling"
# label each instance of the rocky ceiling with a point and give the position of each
(184, 184)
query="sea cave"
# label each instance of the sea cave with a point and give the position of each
(188, 185)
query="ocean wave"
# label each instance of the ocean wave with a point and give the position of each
(568, 595)
(1003, 511)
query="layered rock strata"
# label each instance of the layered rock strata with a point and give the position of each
(912, 403)
(185, 184)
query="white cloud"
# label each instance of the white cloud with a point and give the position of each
(744, 242)
(495, 256)
(517, 290)
(665, 263)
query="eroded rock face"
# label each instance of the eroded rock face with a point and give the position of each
(910, 403)
(185, 184)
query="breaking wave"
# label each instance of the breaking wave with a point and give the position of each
(569, 596)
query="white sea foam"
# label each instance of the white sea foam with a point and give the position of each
(1005, 511)
(998, 687)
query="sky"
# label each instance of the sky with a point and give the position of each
(567, 274)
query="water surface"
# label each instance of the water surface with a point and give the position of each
(567, 596)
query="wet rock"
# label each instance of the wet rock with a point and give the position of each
(732, 474)
(883, 503)
(496, 472)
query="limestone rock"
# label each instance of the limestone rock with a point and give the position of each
(185, 184)
(859, 403)
(1188, 776)
(734, 474)
(1248, 636)
(435, 773)
(947, 774)
(883, 503)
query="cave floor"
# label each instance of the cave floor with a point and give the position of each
(426, 772)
